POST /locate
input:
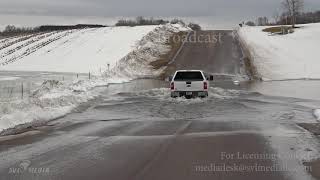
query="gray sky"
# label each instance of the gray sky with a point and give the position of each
(143, 7)
(231, 9)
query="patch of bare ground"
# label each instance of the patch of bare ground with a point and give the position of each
(251, 70)
(164, 60)
(314, 128)
(314, 168)
(280, 29)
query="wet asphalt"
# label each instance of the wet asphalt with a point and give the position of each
(135, 131)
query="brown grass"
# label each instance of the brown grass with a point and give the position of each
(166, 58)
(272, 29)
(250, 69)
(314, 168)
(278, 29)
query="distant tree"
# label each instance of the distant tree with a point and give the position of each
(124, 22)
(276, 17)
(262, 21)
(308, 17)
(177, 21)
(250, 23)
(317, 16)
(10, 29)
(195, 27)
(292, 8)
(140, 21)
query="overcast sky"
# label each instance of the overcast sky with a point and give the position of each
(235, 9)
(143, 7)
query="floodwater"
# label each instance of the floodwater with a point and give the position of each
(304, 89)
(137, 131)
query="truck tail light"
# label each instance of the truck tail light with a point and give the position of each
(205, 85)
(172, 86)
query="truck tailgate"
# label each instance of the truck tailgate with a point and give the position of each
(189, 86)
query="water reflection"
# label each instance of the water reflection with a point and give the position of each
(304, 89)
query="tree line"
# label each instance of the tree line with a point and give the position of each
(291, 14)
(12, 30)
(68, 27)
(300, 18)
(141, 21)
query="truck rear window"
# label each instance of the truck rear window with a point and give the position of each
(188, 76)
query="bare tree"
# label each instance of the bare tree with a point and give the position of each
(276, 17)
(262, 21)
(250, 23)
(293, 8)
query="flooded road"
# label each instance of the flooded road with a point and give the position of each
(304, 89)
(136, 131)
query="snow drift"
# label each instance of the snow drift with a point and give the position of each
(281, 57)
(316, 113)
(137, 63)
(52, 100)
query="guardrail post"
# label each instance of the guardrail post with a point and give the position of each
(22, 90)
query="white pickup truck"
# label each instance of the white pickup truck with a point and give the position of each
(189, 83)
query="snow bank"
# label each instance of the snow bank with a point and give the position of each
(317, 114)
(7, 78)
(52, 100)
(79, 51)
(280, 57)
(137, 63)
(55, 99)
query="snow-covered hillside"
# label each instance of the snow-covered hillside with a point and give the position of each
(137, 63)
(279, 57)
(77, 51)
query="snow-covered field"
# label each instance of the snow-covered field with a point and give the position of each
(128, 50)
(282, 57)
(80, 51)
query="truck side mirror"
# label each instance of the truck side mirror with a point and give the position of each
(170, 78)
(211, 78)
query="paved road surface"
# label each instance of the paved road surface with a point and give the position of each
(211, 51)
(136, 131)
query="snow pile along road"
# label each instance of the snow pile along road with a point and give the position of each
(55, 99)
(137, 63)
(281, 57)
(317, 114)
(52, 100)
